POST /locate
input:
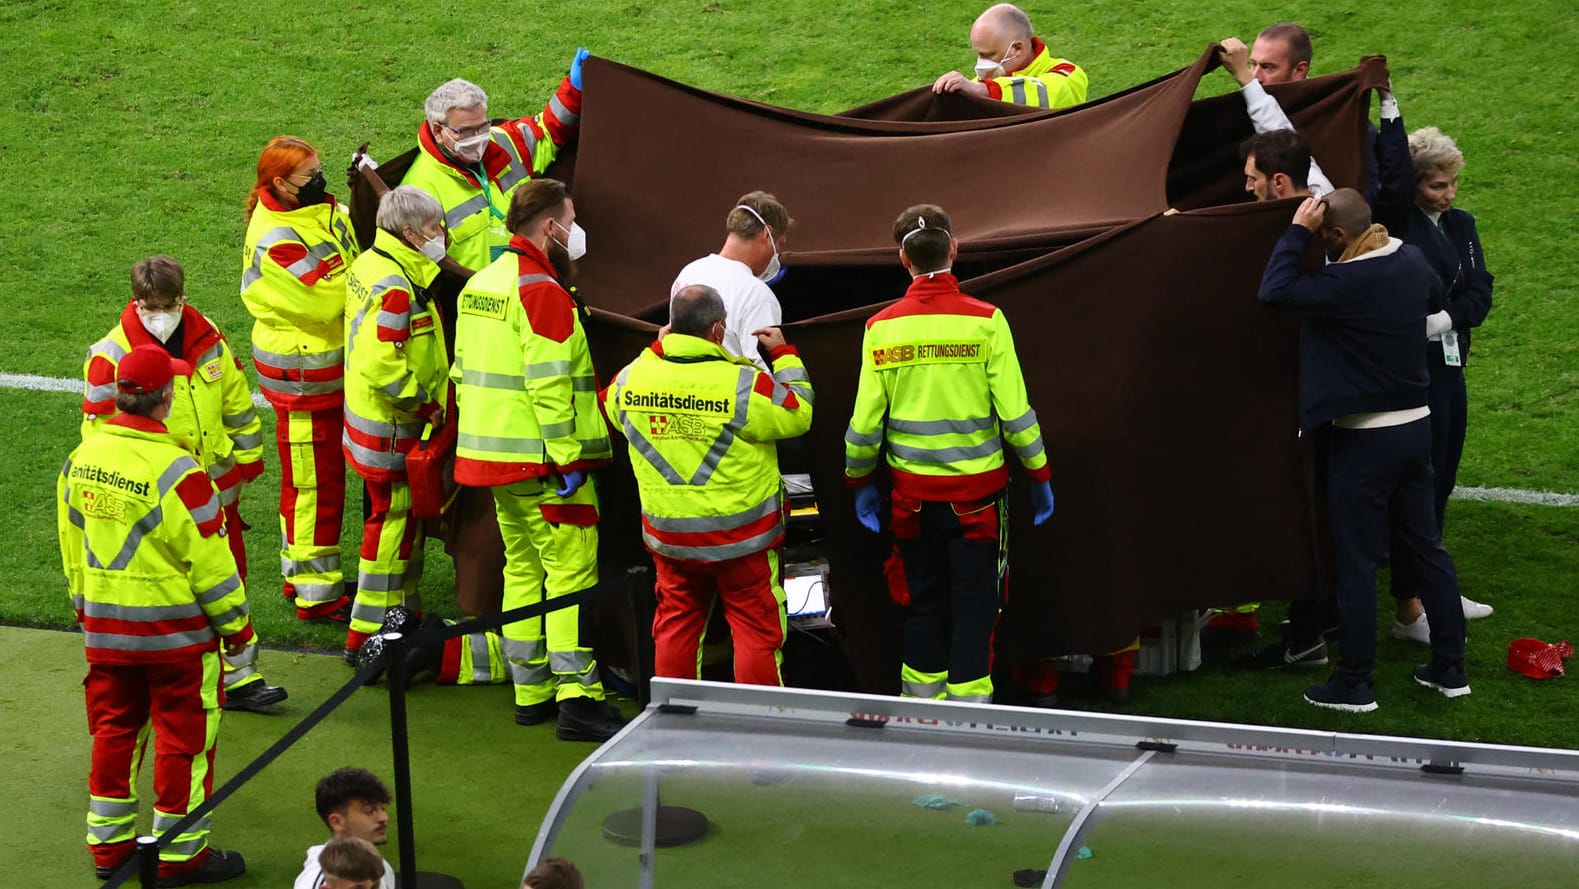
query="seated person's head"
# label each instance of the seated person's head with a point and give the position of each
(926, 242)
(352, 803)
(697, 310)
(350, 863)
(1281, 53)
(1277, 165)
(555, 873)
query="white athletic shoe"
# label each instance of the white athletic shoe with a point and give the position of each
(1416, 631)
(1474, 610)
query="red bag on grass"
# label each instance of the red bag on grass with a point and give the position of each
(1537, 659)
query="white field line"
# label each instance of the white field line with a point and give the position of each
(1494, 495)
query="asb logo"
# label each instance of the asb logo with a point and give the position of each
(658, 424)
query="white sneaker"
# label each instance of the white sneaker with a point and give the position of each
(1474, 610)
(1416, 631)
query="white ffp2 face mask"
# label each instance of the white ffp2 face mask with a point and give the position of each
(471, 149)
(986, 69)
(159, 324)
(433, 248)
(576, 244)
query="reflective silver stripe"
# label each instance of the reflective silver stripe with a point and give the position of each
(523, 650)
(241, 420)
(209, 511)
(99, 393)
(362, 612)
(394, 320)
(1033, 449)
(558, 430)
(218, 468)
(1017, 90)
(141, 613)
(500, 444)
(862, 439)
(300, 360)
(465, 210)
(383, 583)
(163, 642)
(320, 565)
(220, 590)
(530, 674)
(715, 523)
(974, 699)
(588, 383)
(524, 280)
(228, 496)
(316, 254)
(1020, 423)
(486, 380)
(717, 553)
(941, 427)
(183, 849)
(248, 442)
(547, 369)
(572, 662)
(239, 612)
(316, 593)
(945, 455)
(366, 456)
(791, 375)
(134, 538)
(271, 237)
(595, 447)
(565, 115)
(517, 170)
(300, 387)
(650, 454)
(107, 348)
(119, 829)
(482, 664)
(855, 464)
(921, 689)
(77, 601)
(726, 436)
(164, 821)
(215, 352)
(106, 808)
(382, 428)
(392, 389)
(1041, 94)
(235, 676)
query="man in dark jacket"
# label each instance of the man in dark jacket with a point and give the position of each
(1363, 388)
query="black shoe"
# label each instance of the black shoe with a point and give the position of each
(351, 656)
(1450, 681)
(1281, 657)
(104, 873)
(217, 867)
(257, 697)
(536, 714)
(1336, 694)
(583, 719)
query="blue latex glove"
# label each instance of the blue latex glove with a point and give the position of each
(867, 505)
(575, 66)
(1042, 502)
(570, 482)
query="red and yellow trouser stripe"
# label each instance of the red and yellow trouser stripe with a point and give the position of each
(312, 506)
(391, 563)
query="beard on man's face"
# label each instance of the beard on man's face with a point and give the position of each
(559, 258)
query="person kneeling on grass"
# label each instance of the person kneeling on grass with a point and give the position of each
(352, 803)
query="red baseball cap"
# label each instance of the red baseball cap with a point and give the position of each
(146, 368)
(1537, 659)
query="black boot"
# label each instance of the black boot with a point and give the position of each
(217, 867)
(583, 719)
(257, 697)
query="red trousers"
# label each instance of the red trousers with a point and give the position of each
(312, 505)
(233, 536)
(180, 702)
(753, 600)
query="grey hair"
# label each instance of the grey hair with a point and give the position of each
(455, 93)
(1011, 21)
(407, 206)
(1435, 152)
(694, 309)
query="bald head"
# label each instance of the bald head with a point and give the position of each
(695, 309)
(1347, 210)
(1005, 20)
(1002, 37)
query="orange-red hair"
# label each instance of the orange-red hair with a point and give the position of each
(282, 155)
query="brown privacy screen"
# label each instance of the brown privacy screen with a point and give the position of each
(1167, 394)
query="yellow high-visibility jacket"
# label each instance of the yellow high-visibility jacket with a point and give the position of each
(475, 206)
(1047, 82)
(142, 544)
(212, 414)
(702, 426)
(293, 282)
(940, 386)
(526, 390)
(396, 364)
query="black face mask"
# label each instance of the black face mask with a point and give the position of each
(313, 191)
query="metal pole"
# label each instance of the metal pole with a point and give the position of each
(395, 651)
(148, 862)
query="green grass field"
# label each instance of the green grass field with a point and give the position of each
(133, 129)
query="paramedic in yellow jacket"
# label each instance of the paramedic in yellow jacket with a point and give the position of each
(940, 390)
(1014, 65)
(212, 416)
(396, 390)
(531, 431)
(155, 588)
(299, 245)
(702, 426)
(473, 166)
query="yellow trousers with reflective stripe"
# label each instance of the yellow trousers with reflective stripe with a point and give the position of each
(312, 505)
(391, 564)
(548, 657)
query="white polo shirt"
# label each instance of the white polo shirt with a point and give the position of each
(749, 303)
(311, 876)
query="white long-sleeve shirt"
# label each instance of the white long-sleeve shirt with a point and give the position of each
(1266, 115)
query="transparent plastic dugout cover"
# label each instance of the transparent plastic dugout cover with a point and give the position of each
(829, 790)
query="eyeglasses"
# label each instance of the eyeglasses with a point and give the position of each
(468, 132)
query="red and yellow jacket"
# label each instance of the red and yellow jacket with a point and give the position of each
(1046, 82)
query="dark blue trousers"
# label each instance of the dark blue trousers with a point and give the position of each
(1381, 489)
(1449, 404)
